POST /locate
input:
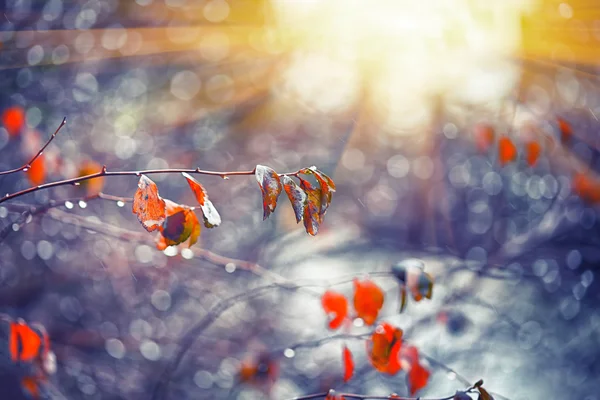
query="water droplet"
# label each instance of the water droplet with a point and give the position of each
(230, 267)
(25, 169)
(225, 177)
(82, 204)
(120, 203)
(289, 353)
(69, 205)
(15, 227)
(77, 183)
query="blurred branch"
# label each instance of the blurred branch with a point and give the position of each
(392, 396)
(39, 153)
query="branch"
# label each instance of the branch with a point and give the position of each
(39, 153)
(105, 173)
(392, 396)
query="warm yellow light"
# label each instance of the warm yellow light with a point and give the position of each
(402, 52)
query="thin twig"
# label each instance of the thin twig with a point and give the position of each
(39, 153)
(105, 173)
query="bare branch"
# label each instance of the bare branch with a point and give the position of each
(39, 153)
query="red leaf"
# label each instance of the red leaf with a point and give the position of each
(270, 185)
(566, 131)
(13, 119)
(25, 344)
(418, 376)
(507, 152)
(335, 303)
(533, 150)
(383, 348)
(149, 207)
(209, 212)
(312, 216)
(36, 173)
(368, 300)
(297, 196)
(348, 364)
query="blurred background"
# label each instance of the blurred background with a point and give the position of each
(462, 133)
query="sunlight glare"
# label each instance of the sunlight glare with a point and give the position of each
(403, 53)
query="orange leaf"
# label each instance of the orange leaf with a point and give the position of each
(484, 137)
(335, 303)
(37, 171)
(368, 300)
(566, 131)
(312, 216)
(95, 185)
(270, 185)
(196, 187)
(180, 224)
(297, 196)
(13, 119)
(348, 364)
(327, 188)
(586, 187)
(149, 207)
(260, 370)
(25, 344)
(383, 348)
(30, 387)
(418, 376)
(533, 150)
(209, 212)
(507, 152)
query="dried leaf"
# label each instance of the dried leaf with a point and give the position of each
(209, 212)
(13, 119)
(196, 188)
(348, 364)
(368, 300)
(180, 224)
(149, 207)
(270, 185)
(312, 217)
(297, 196)
(335, 303)
(383, 348)
(507, 151)
(326, 185)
